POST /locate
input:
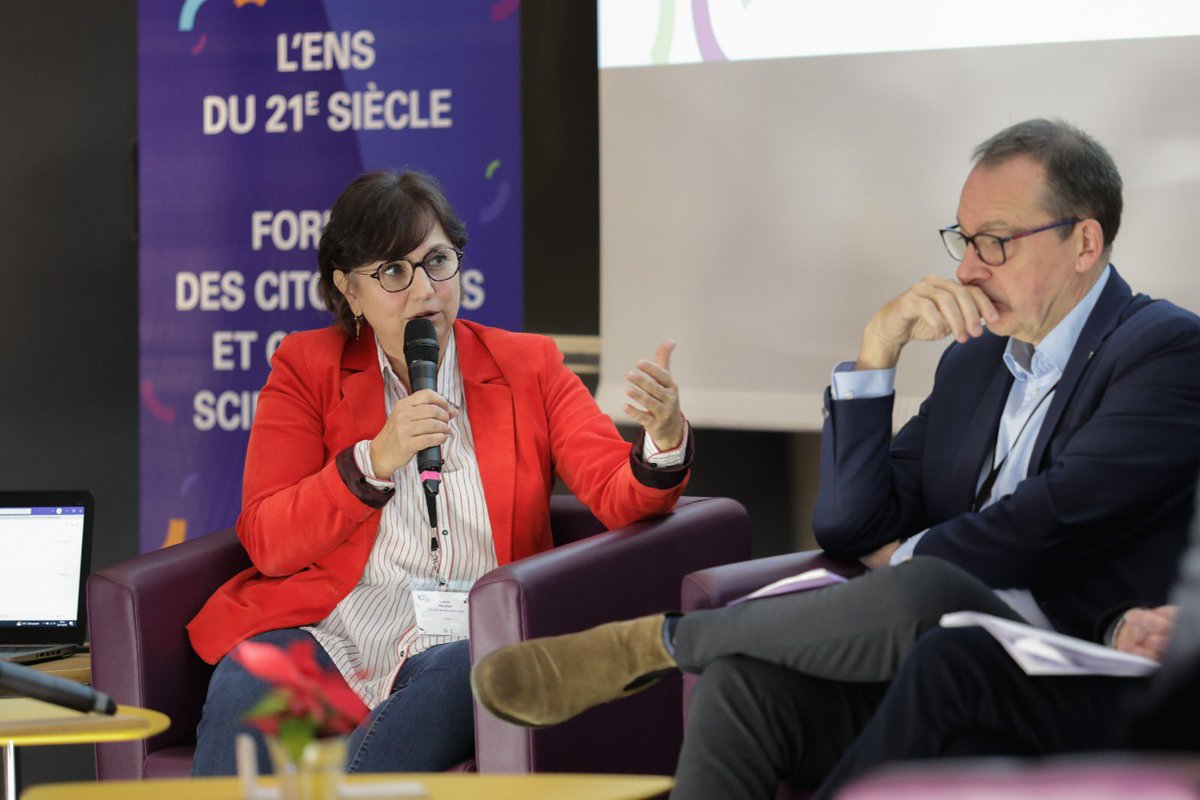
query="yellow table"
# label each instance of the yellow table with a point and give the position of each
(440, 786)
(31, 722)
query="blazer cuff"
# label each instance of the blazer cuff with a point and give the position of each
(358, 484)
(1109, 624)
(660, 477)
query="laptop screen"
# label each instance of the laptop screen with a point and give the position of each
(45, 550)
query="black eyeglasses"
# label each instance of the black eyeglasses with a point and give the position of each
(988, 246)
(396, 276)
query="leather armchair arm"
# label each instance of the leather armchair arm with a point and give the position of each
(716, 586)
(1120, 774)
(619, 574)
(140, 651)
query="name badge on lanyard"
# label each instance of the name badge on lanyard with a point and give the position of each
(441, 612)
(441, 606)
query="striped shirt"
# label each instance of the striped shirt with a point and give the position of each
(373, 631)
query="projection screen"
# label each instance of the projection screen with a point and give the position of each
(773, 171)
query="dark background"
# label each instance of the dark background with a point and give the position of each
(68, 233)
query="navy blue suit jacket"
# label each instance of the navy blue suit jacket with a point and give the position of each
(1099, 522)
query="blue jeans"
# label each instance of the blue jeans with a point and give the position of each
(426, 724)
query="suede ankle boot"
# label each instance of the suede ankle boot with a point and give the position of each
(547, 681)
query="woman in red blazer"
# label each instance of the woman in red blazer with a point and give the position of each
(334, 518)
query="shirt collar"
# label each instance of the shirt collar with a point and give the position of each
(447, 367)
(1050, 357)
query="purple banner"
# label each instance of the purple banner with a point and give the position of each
(253, 115)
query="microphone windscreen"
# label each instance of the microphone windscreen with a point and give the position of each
(26, 682)
(420, 340)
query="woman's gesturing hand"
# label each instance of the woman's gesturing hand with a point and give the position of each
(655, 399)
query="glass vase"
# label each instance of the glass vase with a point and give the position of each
(316, 775)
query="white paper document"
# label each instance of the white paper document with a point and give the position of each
(812, 579)
(1042, 652)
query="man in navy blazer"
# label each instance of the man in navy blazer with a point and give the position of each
(1096, 525)
(1047, 478)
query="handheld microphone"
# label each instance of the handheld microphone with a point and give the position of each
(26, 682)
(421, 354)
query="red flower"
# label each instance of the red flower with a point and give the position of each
(270, 663)
(305, 699)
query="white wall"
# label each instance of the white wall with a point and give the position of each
(759, 211)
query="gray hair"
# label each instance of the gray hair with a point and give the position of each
(1081, 178)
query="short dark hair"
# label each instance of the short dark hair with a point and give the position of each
(381, 216)
(1081, 178)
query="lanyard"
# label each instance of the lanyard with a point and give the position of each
(985, 488)
(436, 552)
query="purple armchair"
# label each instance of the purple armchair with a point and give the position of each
(1105, 776)
(141, 655)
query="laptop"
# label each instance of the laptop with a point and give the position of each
(45, 557)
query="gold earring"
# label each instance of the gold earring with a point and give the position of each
(357, 325)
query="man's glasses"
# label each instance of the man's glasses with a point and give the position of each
(396, 276)
(988, 246)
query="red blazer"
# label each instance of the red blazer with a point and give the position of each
(309, 537)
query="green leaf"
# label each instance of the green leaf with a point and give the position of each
(273, 703)
(294, 734)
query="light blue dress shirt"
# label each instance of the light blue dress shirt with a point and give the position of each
(1035, 372)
